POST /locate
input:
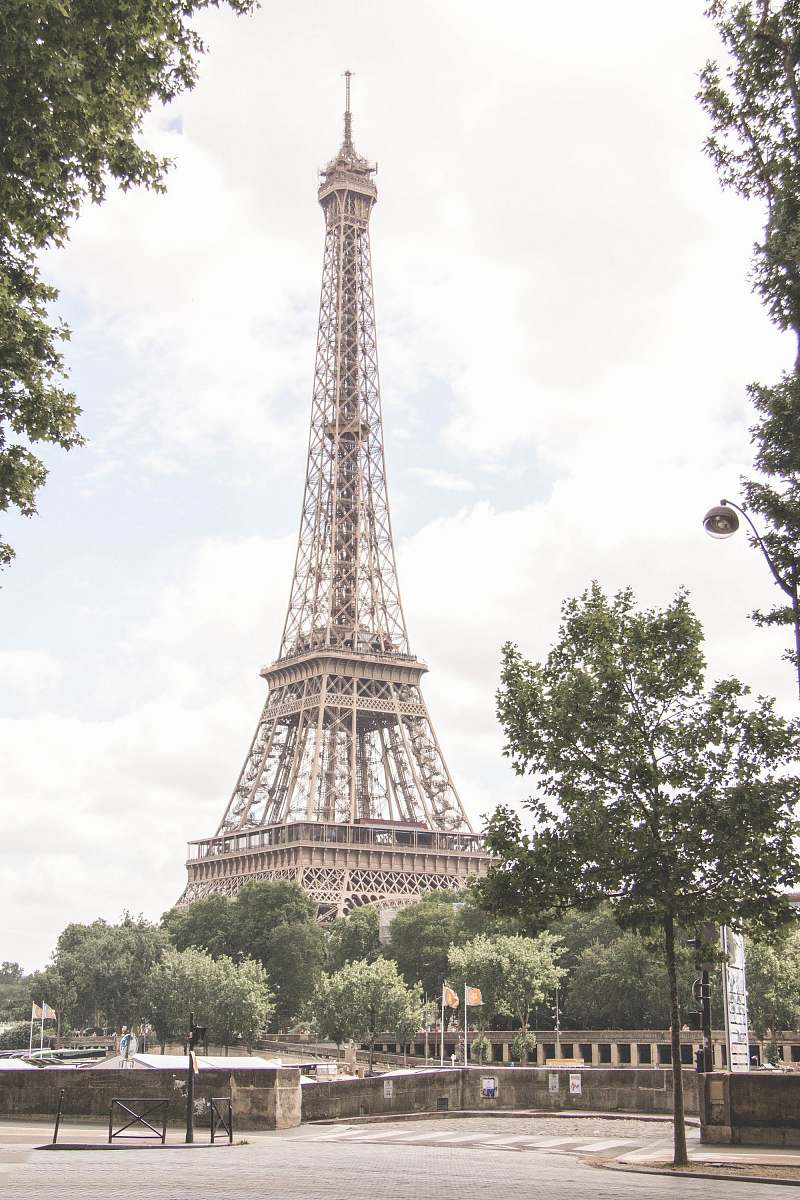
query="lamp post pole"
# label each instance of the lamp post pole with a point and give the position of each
(720, 522)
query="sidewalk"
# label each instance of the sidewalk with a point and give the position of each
(768, 1164)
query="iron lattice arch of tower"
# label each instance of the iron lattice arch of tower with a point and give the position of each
(344, 788)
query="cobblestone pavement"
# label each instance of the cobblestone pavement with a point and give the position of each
(306, 1163)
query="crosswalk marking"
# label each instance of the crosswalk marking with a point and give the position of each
(545, 1143)
(507, 1141)
(593, 1147)
(400, 1135)
(338, 1133)
(630, 1148)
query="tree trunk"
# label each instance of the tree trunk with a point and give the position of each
(680, 1157)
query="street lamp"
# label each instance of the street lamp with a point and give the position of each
(721, 521)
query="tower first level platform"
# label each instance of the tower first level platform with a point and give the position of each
(340, 866)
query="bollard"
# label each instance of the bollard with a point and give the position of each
(58, 1115)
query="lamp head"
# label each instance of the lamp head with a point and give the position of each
(720, 521)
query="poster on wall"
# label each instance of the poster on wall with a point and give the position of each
(489, 1088)
(574, 1085)
(388, 1089)
(552, 1081)
(734, 993)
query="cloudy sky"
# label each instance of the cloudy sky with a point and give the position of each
(565, 331)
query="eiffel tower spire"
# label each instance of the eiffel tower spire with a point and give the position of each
(345, 738)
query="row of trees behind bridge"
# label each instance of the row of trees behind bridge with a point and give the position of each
(260, 963)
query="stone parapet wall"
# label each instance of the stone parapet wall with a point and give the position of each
(756, 1108)
(645, 1091)
(262, 1099)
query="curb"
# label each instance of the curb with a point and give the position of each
(669, 1174)
(116, 1146)
(450, 1114)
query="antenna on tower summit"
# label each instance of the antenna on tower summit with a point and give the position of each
(348, 127)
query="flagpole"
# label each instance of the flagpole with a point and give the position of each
(41, 1029)
(465, 1024)
(441, 1059)
(30, 1039)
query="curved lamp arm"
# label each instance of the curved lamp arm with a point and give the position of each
(790, 589)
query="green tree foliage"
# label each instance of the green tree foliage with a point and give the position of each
(78, 77)
(773, 983)
(208, 923)
(275, 924)
(271, 922)
(623, 985)
(673, 803)
(232, 999)
(354, 937)
(17, 1036)
(13, 993)
(514, 974)
(98, 971)
(753, 101)
(420, 939)
(364, 999)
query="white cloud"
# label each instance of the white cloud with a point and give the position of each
(29, 672)
(562, 306)
(444, 481)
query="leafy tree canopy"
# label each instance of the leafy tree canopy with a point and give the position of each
(363, 999)
(272, 922)
(232, 999)
(420, 938)
(98, 971)
(78, 77)
(673, 803)
(514, 974)
(354, 937)
(208, 923)
(753, 102)
(773, 983)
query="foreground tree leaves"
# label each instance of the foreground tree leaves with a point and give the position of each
(753, 102)
(77, 78)
(675, 803)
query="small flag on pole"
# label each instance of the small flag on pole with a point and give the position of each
(48, 1013)
(449, 998)
(472, 995)
(36, 1012)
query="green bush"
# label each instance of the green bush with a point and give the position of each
(521, 1044)
(481, 1049)
(17, 1037)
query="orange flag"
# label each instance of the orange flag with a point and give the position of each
(449, 998)
(472, 995)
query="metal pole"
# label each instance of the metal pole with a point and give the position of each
(190, 1086)
(708, 1048)
(791, 588)
(465, 1024)
(58, 1115)
(558, 1028)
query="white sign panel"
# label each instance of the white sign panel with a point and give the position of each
(552, 1081)
(489, 1088)
(574, 1085)
(735, 996)
(388, 1089)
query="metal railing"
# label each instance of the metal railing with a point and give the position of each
(221, 1112)
(339, 833)
(150, 1106)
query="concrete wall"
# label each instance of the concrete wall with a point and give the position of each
(646, 1091)
(262, 1099)
(752, 1108)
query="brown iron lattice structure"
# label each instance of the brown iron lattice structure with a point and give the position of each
(345, 788)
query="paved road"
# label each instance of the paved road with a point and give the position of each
(441, 1160)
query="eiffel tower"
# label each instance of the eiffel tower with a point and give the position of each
(344, 788)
